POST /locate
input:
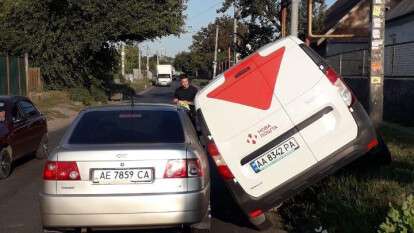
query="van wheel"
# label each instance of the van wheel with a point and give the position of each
(6, 162)
(42, 150)
(379, 155)
(261, 222)
(382, 151)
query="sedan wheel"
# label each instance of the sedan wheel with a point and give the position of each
(43, 149)
(5, 164)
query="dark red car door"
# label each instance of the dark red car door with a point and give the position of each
(36, 126)
(19, 138)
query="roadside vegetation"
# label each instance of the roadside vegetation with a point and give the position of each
(74, 43)
(56, 104)
(358, 198)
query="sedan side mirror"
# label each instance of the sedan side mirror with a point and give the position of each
(17, 120)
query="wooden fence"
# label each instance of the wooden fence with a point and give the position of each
(34, 81)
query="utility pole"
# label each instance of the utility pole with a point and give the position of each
(236, 16)
(377, 61)
(283, 17)
(294, 21)
(215, 53)
(147, 66)
(229, 57)
(122, 60)
(139, 62)
(158, 59)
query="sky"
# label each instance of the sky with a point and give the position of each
(199, 14)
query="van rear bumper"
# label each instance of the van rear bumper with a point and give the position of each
(334, 162)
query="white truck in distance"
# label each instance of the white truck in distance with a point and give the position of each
(164, 75)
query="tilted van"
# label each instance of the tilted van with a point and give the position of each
(278, 121)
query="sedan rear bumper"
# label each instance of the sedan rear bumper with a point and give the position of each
(123, 210)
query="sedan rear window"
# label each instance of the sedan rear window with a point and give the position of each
(113, 127)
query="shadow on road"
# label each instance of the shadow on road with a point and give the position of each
(223, 206)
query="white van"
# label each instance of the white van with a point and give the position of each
(164, 75)
(278, 121)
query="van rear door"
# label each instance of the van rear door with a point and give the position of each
(252, 131)
(313, 102)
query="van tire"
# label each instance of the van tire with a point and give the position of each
(379, 155)
(382, 151)
(261, 222)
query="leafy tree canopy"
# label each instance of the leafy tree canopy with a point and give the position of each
(74, 42)
(201, 56)
(262, 19)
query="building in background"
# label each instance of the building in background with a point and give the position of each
(350, 56)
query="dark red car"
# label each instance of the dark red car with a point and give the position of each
(23, 131)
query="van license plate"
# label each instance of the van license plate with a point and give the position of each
(122, 176)
(274, 155)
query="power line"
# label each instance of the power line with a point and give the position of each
(200, 13)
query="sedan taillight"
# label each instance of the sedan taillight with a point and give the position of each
(66, 170)
(183, 168)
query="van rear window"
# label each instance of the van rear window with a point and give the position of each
(118, 127)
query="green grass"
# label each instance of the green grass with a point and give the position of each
(357, 198)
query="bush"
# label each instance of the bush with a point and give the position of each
(400, 219)
(98, 94)
(81, 95)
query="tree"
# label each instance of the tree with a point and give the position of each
(183, 62)
(261, 19)
(74, 42)
(263, 24)
(319, 10)
(202, 48)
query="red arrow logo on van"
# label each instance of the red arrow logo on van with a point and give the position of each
(252, 81)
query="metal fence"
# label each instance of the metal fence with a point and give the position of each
(354, 66)
(13, 79)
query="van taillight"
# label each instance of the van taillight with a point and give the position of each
(222, 167)
(183, 168)
(344, 91)
(61, 171)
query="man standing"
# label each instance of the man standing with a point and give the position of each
(185, 94)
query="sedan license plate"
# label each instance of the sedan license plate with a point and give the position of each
(122, 176)
(274, 155)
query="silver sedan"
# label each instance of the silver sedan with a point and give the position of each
(126, 166)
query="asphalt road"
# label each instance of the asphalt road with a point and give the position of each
(19, 206)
